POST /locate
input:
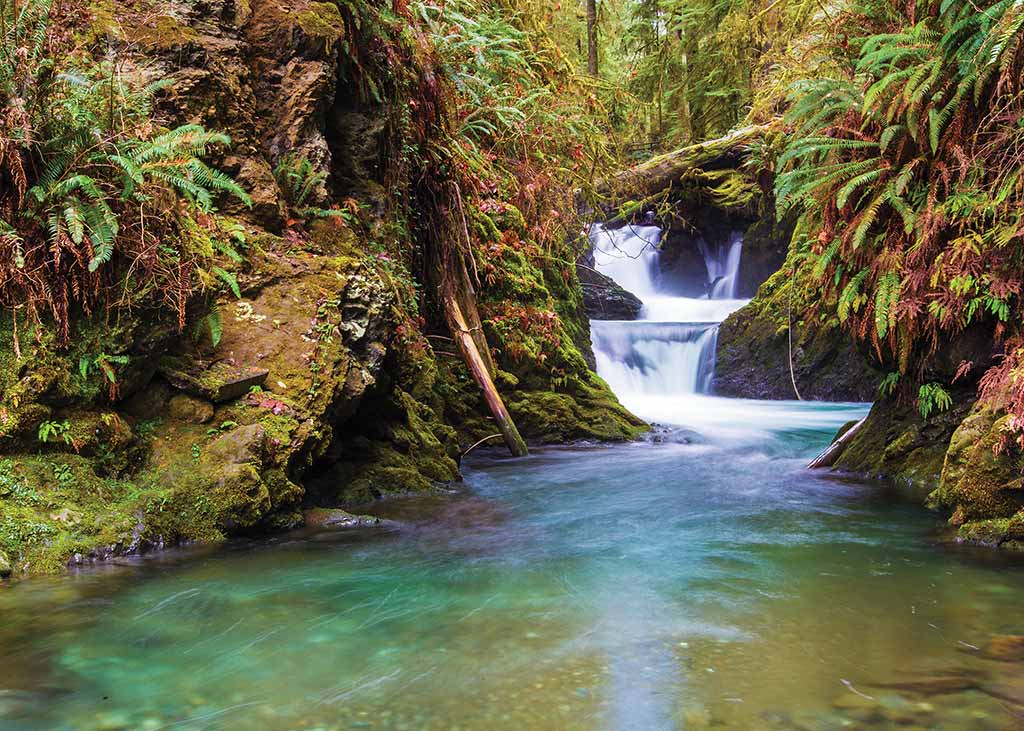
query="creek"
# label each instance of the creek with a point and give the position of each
(702, 578)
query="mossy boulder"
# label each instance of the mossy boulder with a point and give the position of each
(753, 356)
(897, 444)
(556, 418)
(191, 409)
(981, 477)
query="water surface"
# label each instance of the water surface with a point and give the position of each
(648, 586)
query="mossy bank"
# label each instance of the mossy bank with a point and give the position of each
(309, 366)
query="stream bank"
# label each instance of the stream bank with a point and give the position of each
(313, 366)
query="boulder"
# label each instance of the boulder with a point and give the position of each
(981, 473)
(753, 355)
(5, 566)
(606, 300)
(897, 444)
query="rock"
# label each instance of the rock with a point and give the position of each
(753, 354)
(606, 300)
(191, 409)
(5, 566)
(1006, 687)
(1005, 648)
(896, 443)
(336, 518)
(242, 445)
(220, 382)
(981, 477)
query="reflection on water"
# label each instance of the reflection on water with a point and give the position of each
(668, 586)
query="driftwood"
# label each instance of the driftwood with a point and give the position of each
(662, 173)
(830, 456)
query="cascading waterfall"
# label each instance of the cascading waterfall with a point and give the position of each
(670, 351)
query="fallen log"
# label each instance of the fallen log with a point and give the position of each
(662, 173)
(478, 368)
(831, 455)
(457, 297)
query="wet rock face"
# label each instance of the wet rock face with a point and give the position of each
(897, 444)
(753, 357)
(606, 300)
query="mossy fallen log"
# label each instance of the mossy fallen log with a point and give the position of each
(707, 164)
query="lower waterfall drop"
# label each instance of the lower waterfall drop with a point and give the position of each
(670, 351)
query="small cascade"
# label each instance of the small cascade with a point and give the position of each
(723, 265)
(670, 351)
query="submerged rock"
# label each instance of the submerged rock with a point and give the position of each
(337, 518)
(859, 706)
(1005, 648)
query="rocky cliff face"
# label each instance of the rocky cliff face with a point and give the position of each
(753, 359)
(323, 387)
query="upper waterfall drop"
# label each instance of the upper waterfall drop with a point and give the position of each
(670, 351)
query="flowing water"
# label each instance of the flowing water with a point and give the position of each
(655, 365)
(699, 580)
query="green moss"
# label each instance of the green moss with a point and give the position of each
(321, 20)
(981, 476)
(557, 418)
(56, 506)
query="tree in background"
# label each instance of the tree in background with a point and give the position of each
(592, 51)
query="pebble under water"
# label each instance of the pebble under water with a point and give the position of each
(671, 585)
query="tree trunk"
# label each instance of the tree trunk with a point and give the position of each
(478, 368)
(592, 60)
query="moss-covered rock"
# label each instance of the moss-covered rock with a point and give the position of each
(753, 357)
(981, 483)
(556, 418)
(897, 444)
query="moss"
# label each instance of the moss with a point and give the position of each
(981, 477)
(556, 418)
(321, 20)
(54, 507)
(896, 443)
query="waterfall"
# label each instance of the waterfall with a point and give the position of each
(670, 351)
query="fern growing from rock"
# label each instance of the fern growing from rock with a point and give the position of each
(93, 192)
